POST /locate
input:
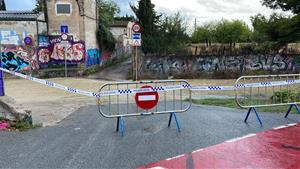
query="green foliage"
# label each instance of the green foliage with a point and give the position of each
(105, 38)
(285, 96)
(23, 126)
(204, 34)
(173, 34)
(107, 11)
(225, 31)
(149, 21)
(2, 5)
(277, 28)
(286, 5)
(39, 6)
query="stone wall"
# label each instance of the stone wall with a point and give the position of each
(194, 66)
(74, 21)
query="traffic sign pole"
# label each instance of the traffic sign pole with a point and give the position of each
(2, 92)
(136, 64)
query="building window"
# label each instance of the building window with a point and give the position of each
(63, 9)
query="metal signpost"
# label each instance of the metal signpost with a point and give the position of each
(2, 93)
(136, 42)
(65, 43)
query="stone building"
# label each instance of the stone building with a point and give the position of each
(16, 25)
(79, 15)
(48, 47)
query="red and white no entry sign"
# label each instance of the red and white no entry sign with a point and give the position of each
(147, 100)
(136, 28)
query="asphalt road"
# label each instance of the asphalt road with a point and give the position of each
(87, 140)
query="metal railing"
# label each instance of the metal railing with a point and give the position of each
(175, 100)
(267, 91)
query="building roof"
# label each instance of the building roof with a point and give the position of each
(18, 16)
(119, 24)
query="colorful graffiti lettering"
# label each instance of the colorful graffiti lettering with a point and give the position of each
(57, 51)
(13, 61)
(93, 57)
(201, 64)
(27, 53)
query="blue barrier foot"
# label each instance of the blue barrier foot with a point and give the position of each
(290, 108)
(120, 125)
(256, 113)
(176, 120)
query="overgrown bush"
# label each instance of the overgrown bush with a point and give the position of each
(285, 96)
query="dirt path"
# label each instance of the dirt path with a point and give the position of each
(49, 105)
(117, 72)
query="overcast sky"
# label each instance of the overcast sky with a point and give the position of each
(203, 10)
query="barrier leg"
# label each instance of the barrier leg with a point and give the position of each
(118, 124)
(170, 120)
(176, 120)
(122, 125)
(290, 109)
(257, 116)
(248, 115)
(256, 113)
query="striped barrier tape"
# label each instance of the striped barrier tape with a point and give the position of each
(156, 89)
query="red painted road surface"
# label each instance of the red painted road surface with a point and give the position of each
(275, 148)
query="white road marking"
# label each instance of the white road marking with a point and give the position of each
(240, 138)
(175, 157)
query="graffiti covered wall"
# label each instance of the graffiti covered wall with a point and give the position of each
(19, 57)
(175, 65)
(52, 50)
(16, 55)
(93, 57)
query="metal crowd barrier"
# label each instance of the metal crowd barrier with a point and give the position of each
(267, 91)
(164, 97)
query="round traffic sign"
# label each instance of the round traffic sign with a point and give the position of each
(64, 36)
(136, 27)
(28, 40)
(146, 100)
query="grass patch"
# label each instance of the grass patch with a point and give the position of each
(230, 103)
(23, 126)
(20, 125)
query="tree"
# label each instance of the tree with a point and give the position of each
(173, 34)
(286, 5)
(2, 5)
(232, 32)
(204, 34)
(224, 31)
(40, 6)
(107, 11)
(277, 28)
(148, 19)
